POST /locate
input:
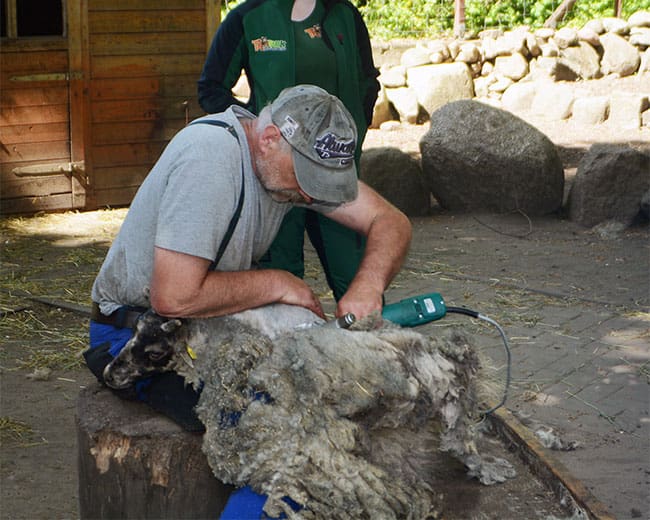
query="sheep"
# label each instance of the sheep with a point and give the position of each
(346, 423)
(154, 348)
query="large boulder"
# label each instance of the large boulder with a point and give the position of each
(479, 158)
(619, 57)
(435, 85)
(398, 178)
(610, 185)
(582, 59)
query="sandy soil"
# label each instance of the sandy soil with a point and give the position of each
(38, 394)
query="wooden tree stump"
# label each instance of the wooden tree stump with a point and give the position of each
(136, 463)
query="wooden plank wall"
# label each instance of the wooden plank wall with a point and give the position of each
(145, 60)
(34, 124)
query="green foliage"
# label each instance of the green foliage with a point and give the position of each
(429, 18)
(406, 18)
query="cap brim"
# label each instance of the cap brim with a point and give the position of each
(333, 185)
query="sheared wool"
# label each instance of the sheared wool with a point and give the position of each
(344, 422)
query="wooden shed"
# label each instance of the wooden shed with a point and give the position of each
(91, 91)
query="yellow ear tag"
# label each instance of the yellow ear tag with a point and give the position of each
(191, 352)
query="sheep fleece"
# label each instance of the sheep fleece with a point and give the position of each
(339, 420)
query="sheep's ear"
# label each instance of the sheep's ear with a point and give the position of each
(171, 325)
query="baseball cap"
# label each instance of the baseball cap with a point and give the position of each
(323, 138)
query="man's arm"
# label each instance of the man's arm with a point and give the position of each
(182, 286)
(388, 233)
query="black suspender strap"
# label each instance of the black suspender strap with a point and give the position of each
(235, 218)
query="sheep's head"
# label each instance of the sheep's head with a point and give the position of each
(150, 350)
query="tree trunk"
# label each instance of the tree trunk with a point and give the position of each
(459, 19)
(135, 463)
(559, 13)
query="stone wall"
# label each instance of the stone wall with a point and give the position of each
(520, 70)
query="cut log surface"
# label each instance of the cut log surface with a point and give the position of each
(135, 463)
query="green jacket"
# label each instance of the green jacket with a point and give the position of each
(257, 37)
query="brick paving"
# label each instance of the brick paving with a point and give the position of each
(580, 358)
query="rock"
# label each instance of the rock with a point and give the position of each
(550, 49)
(644, 66)
(468, 53)
(619, 57)
(609, 185)
(489, 48)
(640, 37)
(487, 68)
(490, 33)
(482, 84)
(397, 177)
(440, 49)
(382, 111)
(393, 77)
(639, 19)
(589, 36)
(514, 66)
(590, 110)
(415, 56)
(500, 85)
(519, 96)
(582, 59)
(595, 26)
(405, 101)
(533, 45)
(553, 102)
(544, 33)
(512, 41)
(616, 26)
(566, 37)
(479, 158)
(625, 110)
(551, 69)
(390, 126)
(436, 85)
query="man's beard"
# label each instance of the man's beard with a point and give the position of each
(267, 175)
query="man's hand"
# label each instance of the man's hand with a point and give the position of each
(297, 292)
(388, 232)
(360, 300)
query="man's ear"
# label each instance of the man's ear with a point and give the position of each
(270, 137)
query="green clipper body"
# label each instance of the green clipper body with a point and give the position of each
(417, 310)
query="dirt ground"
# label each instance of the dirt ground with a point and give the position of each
(48, 264)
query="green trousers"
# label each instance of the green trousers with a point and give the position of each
(339, 249)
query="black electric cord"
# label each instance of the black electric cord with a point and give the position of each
(478, 315)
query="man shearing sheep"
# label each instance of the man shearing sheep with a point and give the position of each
(211, 206)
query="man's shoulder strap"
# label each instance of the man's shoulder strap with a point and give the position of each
(240, 204)
(217, 122)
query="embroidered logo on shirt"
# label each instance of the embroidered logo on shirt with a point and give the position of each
(314, 31)
(330, 146)
(263, 44)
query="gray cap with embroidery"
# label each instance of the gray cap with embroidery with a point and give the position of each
(323, 137)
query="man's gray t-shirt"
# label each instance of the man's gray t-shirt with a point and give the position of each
(185, 204)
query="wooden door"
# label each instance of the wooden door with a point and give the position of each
(39, 170)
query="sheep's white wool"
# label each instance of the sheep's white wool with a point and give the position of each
(345, 422)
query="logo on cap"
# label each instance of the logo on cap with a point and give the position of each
(330, 146)
(289, 127)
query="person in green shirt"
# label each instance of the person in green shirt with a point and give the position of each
(282, 43)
